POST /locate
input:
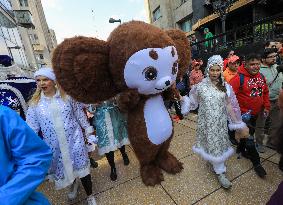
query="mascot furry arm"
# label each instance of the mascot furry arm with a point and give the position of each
(138, 63)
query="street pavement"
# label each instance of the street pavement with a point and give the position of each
(196, 184)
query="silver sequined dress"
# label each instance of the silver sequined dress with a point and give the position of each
(212, 141)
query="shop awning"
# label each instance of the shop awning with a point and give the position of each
(236, 5)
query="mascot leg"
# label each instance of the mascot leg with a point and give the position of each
(167, 161)
(151, 174)
(145, 150)
(146, 153)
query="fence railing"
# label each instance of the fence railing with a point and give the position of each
(259, 31)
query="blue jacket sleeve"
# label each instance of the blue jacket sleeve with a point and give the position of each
(30, 155)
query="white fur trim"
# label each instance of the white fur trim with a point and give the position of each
(18, 94)
(109, 128)
(211, 158)
(19, 80)
(107, 149)
(62, 183)
(236, 126)
(47, 72)
(89, 130)
(92, 141)
(90, 147)
(185, 105)
(64, 146)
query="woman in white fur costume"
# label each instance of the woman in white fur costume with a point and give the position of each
(217, 105)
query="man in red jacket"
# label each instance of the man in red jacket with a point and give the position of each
(253, 96)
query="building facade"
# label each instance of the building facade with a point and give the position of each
(192, 16)
(10, 38)
(53, 38)
(170, 14)
(38, 40)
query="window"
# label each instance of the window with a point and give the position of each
(31, 37)
(183, 1)
(41, 56)
(156, 13)
(186, 25)
(23, 3)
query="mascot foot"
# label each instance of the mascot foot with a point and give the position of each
(170, 164)
(151, 175)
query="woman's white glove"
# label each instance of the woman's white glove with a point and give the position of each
(91, 141)
(185, 105)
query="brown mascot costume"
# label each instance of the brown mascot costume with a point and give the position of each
(138, 64)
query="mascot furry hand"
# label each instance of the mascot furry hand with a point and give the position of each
(139, 64)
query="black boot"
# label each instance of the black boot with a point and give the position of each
(126, 159)
(124, 155)
(113, 174)
(110, 159)
(93, 163)
(252, 154)
(241, 148)
(259, 170)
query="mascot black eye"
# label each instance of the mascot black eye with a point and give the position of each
(174, 68)
(150, 73)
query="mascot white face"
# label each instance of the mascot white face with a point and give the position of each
(152, 70)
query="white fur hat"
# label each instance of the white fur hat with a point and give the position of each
(214, 60)
(46, 72)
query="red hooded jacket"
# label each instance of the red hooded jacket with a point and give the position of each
(253, 94)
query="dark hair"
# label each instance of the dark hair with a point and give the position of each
(278, 40)
(267, 43)
(242, 58)
(252, 56)
(267, 52)
(220, 85)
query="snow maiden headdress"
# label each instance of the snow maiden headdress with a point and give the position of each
(215, 60)
(46, 72)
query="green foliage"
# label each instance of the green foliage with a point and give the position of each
(263, 28)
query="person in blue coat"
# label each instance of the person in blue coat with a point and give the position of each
(24, 161)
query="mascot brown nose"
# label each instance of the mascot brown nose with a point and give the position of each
(167, 82)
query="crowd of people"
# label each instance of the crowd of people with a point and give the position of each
(66, 137)
(250, 88)
(236, 100)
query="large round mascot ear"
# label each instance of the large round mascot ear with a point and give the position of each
(81, 68)
(183, 49)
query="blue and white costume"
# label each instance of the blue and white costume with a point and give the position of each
(60, 121)
(24, 161)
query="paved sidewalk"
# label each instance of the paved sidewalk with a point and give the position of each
(196, 184)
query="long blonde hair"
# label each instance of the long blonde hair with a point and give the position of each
(37, 95)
